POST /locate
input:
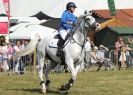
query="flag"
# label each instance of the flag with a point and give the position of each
(111, 5)
(7, 7)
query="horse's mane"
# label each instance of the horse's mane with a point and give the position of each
(87, 13)
(79, 19)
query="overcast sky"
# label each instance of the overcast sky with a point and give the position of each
(55, 8)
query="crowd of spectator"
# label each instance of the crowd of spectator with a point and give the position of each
(7, 50)
(122, 54)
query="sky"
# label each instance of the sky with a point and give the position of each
(54, 8)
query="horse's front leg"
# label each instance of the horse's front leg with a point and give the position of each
(70, 83)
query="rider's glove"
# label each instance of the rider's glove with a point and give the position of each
(69, 22)
(74, 24)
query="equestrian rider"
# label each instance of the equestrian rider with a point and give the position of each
(68, 19)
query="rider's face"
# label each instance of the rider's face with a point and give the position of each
(72, 9)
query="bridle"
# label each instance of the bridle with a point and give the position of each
(82, 29)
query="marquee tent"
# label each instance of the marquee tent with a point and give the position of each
(31, 20)
(28, 31)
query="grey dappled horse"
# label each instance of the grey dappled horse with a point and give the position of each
(73, 51)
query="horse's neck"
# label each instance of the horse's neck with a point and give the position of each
(80, 34)
(79, 37)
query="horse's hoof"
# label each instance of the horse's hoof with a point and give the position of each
(62, 91)
(43, 91)
(98, 70)
(47, 88)
(43, 88)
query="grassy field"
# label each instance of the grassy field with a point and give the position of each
(88, 83)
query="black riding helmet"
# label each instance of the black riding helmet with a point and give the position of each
(70, 4)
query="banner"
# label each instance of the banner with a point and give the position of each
(3, 28)
(4, 21)
(111, 5)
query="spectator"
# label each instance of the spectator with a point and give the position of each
(103, 51)
(97, 57)
(87, 52)
(10, 54)
(93, 54)
(17, 48)
(122, 58)
(128, 57)
(118, 45)
(26, 58)
(131, 51)
(5, 66)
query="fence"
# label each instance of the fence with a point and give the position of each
(25, 63)
(114, 60)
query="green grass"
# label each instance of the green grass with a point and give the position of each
(88, 83)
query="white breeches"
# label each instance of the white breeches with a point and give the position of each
(63, 33)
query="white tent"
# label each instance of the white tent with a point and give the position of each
(28, 31)
(54, 8)
(32, 20)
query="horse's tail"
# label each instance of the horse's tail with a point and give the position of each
(29, 49)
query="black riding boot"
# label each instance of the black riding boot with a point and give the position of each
(60, 47)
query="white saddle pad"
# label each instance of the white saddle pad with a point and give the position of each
(53, 43)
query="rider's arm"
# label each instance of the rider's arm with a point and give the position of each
(65, 18)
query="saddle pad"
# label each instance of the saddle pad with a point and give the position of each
(53, 43)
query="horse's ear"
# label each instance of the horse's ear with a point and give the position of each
(90, 12)
(85, 12)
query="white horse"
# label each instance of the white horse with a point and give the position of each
(73, 51)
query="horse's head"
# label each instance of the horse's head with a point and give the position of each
(90, 21)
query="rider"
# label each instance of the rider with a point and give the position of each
(68, 19)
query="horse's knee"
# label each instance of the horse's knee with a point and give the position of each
(98, 70)
(40, 69)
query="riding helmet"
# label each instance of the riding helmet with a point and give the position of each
(70, 4)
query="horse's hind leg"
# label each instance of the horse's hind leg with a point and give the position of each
(40, 73)
(50, 66)
(40, 59)
(40, 68)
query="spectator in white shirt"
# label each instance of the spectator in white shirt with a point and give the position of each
(87, 52)
(17, 48)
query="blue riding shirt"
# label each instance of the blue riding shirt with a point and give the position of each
(67, 16)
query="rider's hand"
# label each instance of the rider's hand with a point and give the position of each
(69, 22)
(74, 24)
